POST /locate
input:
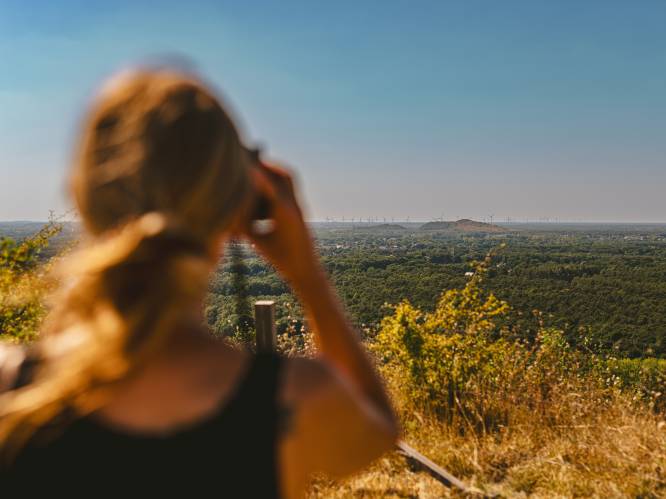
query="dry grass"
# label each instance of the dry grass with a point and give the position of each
(512, 419)
(618, 452)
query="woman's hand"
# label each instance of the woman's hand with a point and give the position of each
(288, 246)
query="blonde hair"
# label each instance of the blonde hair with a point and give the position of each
(160, 172)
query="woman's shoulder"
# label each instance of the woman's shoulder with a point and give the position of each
(327, 425)
(309, 383)
(302, 376)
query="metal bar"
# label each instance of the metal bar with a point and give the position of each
(264, 321)
(432, 468)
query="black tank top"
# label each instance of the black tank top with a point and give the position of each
(231, 453)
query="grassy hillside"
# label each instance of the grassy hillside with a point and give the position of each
(463, 225)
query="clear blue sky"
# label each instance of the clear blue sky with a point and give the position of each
(385, 108)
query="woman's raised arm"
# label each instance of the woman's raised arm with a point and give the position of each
(345, 413)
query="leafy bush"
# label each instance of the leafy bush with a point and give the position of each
(23, 285)
(293, 338)
(460, 365)
(645, 378)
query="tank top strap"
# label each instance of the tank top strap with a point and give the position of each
(262, 384)
(251, 424)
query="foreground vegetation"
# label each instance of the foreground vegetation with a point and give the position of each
(511, 417)
(23, 283)
(506, 400)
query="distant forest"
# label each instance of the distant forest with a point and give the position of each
(604, 286)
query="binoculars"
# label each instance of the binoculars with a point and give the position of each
(261, 210)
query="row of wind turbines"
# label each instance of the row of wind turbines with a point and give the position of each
(487, 219)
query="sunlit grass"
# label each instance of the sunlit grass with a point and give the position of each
(512, 418)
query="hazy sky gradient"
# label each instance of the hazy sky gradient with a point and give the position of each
(385, 108)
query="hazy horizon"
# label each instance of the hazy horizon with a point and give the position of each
(460, 110)
(381, 220)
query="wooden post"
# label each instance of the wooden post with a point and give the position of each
(264, 322)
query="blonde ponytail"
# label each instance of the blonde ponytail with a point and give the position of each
(127, 292)
(160, 172)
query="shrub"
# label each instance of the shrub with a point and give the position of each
(644, 378)
(459, 365)
(23, 285)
